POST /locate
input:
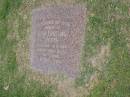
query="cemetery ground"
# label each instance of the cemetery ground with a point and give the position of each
(105, 66)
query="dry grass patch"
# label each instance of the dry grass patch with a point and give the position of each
(101, 57)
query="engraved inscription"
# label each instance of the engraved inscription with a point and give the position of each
(57, 39)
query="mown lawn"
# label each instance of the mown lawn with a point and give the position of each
(108, 23)
(12, 82)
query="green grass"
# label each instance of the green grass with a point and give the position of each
(19, 85)
(109, 24)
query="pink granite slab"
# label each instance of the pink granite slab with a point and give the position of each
(57, 39)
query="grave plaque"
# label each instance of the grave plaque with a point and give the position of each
(57, 39)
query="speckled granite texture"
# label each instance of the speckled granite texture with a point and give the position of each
(57, 39)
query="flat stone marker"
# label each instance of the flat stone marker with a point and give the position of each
(57, 39)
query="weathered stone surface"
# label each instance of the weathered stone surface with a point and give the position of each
(57, 39)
